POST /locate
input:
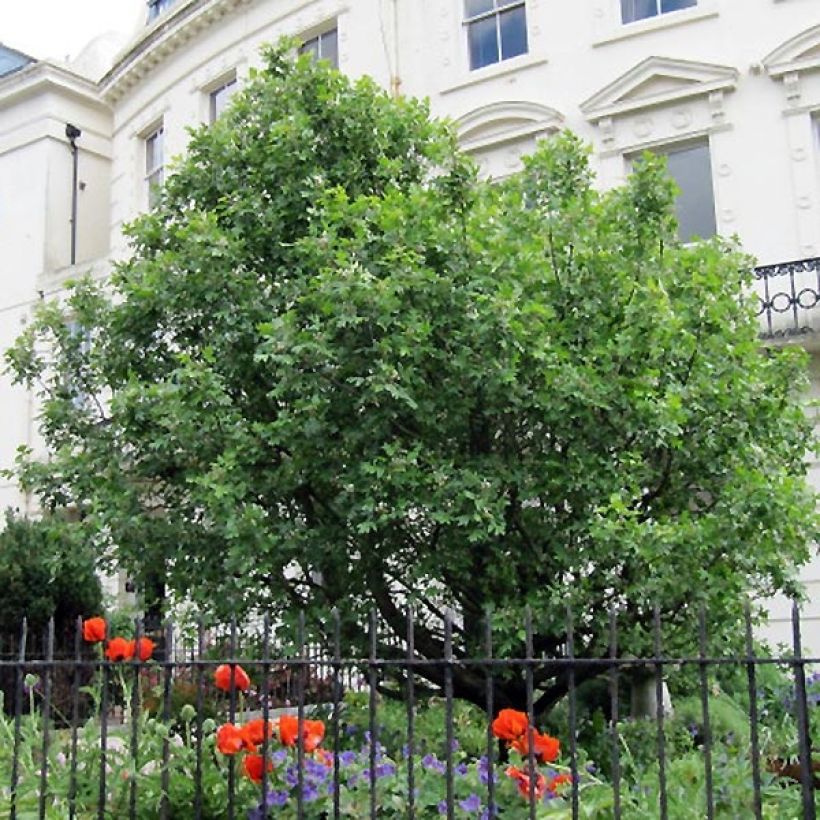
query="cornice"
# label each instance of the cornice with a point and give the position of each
(505, 121)
(37, 77)
(167, 34)
(799, 53)
(684, 79)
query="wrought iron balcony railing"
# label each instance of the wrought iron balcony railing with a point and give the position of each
(788, 294)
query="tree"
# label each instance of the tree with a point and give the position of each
(339, 370)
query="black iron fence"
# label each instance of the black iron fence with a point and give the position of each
(208, 728)
(788, 293)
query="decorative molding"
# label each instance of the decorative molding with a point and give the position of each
(800, 53)
(39, 76)
(175, 28)
(502, 122)
(660, 81)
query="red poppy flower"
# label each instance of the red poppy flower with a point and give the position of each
(545, 748)
(253, 733)
(510, 724)
(222, 678)
(94, 630)
(313, 732)
(253, 765)
(144, 649)
(522, 780)
(119, 649)
(229, 739)
(558, 780)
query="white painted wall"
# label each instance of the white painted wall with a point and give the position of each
(744, 74)
(35, 209)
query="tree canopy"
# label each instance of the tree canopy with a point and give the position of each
(339, 369)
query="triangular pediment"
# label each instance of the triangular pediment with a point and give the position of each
(658, 81)
(799, 53)
(505, 121)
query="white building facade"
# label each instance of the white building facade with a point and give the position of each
(729, 90)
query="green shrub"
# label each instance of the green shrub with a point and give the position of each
(45, 572)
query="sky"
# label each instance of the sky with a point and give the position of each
(60, 28)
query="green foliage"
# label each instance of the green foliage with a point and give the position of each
(46, 571)
(339, 370)
(429, 725)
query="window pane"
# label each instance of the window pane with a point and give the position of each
(632, 10)
(329, 47)
(513, 32)
(483, 42)
(474, 7)
(153, 151)
(154, 187)
(691, 169)
(220, 98)
(310, 47)
(674, 5)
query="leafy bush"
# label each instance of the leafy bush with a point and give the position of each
(45, 572)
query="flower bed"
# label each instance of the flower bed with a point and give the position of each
(248, 766)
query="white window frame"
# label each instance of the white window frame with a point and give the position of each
(230, 81)
(495, 13)
(318, 38)
(658, 13)
(155, 174)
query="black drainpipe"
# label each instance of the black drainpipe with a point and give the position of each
(73, 133)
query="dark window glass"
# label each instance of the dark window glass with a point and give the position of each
(329, 47)
(513, 24)
(324, 46)
(496, 30)
(311, 47)
(483, 39)
(691, 168)
(157, 7)
(220, 97)
(676, 5)
(472, 8)
(154, 164)
(632, 10)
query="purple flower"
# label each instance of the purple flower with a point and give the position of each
(385, 770)
(471, 803)
(433, 764)
(347, 758)
(277, 798)
(310, 792)
(461, 770)
(442, 807)
(272, 799)
(484, 773)
(315, 770)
